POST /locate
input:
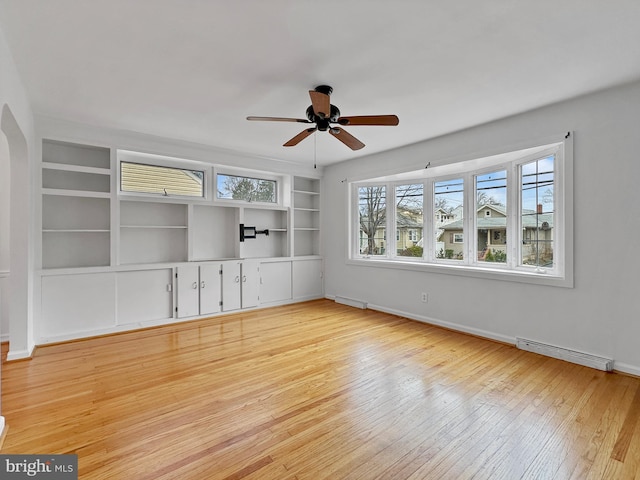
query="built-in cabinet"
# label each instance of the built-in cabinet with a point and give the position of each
(75, 305)
(144, 296)
(239, 284)
(113, 262)
(198, 290)
(308, 279)
(275, 282)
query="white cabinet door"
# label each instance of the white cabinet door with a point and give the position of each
(307, 279)
(188, 290)
(75, 304)
(144, 295)
(250, 283)
(209, 289)
(231, 299)
(275, 282)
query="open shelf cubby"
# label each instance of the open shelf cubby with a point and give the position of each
(306, 216)
(76, 205)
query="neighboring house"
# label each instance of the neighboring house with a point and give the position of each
(443, 217)
(409, 226)
(492, 234)
(142, 178)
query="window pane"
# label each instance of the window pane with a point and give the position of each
(448, 203)
(409, 223)
(537, 215)
(156, 180)
(372, 212)
(491, 217)
(234, 187)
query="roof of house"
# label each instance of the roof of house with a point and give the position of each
(529, 220)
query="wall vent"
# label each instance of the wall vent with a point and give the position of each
(593, 361)
(351, 302)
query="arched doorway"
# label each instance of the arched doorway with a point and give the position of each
(19, 245)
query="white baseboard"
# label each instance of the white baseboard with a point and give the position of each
(441, 323)
(18, 354)
(616, 366)
(626, 368)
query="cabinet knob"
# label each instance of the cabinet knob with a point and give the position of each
(237, 279)
(195, 285)
(244, 278)
(202, 284)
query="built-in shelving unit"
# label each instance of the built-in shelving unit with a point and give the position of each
(76, 205)
(306, 216)
(113, 261)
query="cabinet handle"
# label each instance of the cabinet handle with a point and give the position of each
(195, 285)
(237, 279)
(244, 278)
(202, 284)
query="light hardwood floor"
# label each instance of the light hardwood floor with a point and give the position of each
(319, 391)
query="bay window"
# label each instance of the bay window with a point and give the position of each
(505, 216)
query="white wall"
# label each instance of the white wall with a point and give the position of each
(5, 176)
(600, 315)
(16, 122)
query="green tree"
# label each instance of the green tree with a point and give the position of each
(249, 189)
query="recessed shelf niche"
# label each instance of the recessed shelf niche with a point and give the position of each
(306, 216)
(76, 206)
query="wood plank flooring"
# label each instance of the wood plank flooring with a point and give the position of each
(319, 391)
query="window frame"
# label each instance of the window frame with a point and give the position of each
(512, 159)
(255, 175)
(124, 156)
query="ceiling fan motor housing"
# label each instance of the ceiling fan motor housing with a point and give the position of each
(323, 123)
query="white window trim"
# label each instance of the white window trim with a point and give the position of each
(560, 276)
(254, 174)
(168, 162)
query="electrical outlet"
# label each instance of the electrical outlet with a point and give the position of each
(424, 297)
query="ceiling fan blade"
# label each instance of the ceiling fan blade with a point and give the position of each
(278, 119)
(390, 120)
(298, 138)
(349, 140)
(321, 103)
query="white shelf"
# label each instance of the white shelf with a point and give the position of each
(73, 230)
(75, 193)
(305, 192)
(154, 226)
(75, 168)
(307, 209)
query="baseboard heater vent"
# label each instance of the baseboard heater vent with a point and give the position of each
(351, 302)
(593, 361)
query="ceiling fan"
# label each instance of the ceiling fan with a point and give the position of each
(327, 117)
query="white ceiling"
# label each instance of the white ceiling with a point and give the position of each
(194, 69)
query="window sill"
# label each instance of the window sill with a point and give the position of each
(519, 276)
